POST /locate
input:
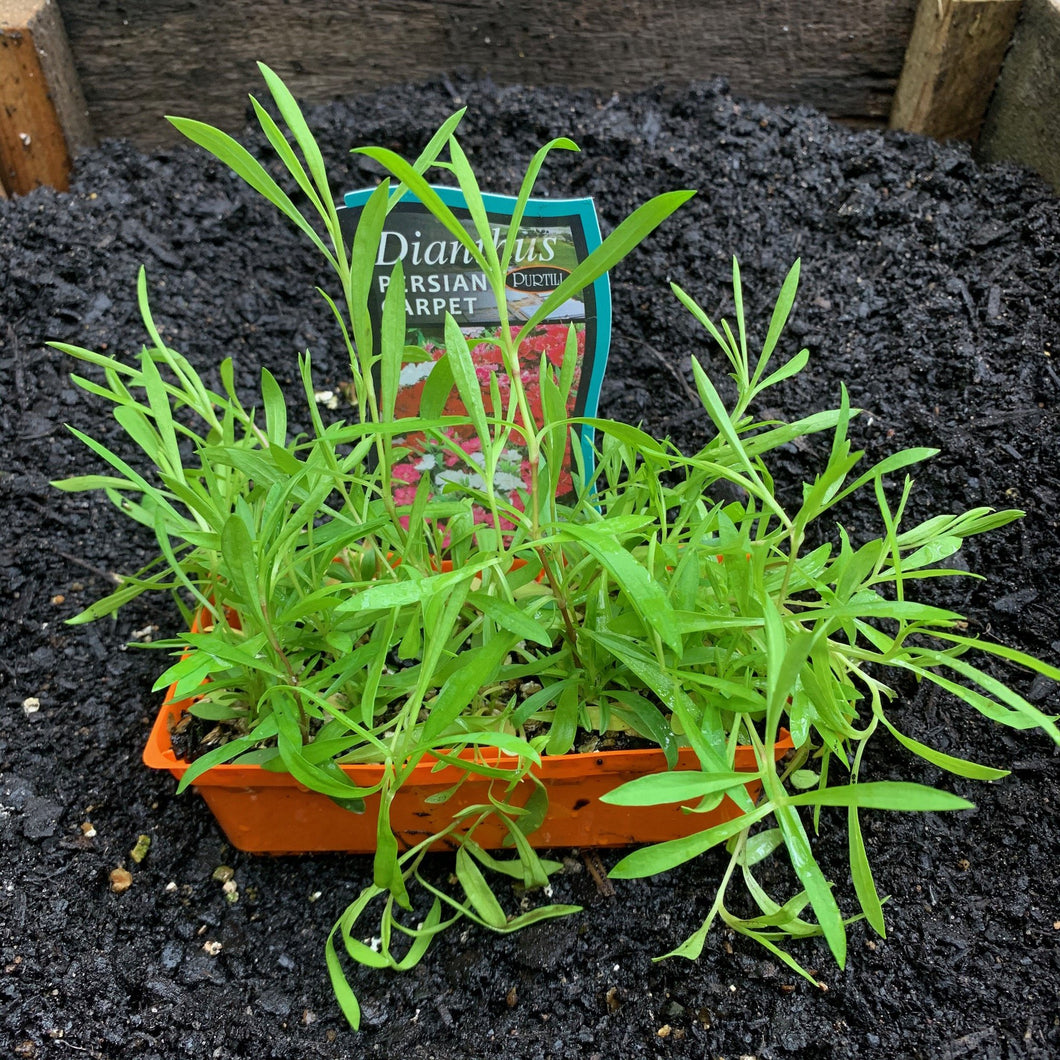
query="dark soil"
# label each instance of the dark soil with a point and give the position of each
(930, 286)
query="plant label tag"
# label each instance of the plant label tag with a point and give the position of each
(441, 277)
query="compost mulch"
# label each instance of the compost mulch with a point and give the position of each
(930, 287)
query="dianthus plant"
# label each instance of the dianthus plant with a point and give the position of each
(363, 597)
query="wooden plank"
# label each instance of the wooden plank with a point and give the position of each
(43, 119)
(1023, 122)
(138, 62)
(951, 66)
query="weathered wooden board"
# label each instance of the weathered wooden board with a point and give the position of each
(952, 64)
(43, 120)
(139, 61)
(1023, 122)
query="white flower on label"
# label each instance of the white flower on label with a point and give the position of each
(416, 372)
(507, 482)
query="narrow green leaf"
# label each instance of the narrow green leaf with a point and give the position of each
(660, 857)
(275, 409)
(781, 955)
(135, 479)
(366, 241)
(478, 668)
(245, 165)
(1027, 711)
(364, 954)
(931, 553)
(990, 708)
(694, 308)
(292, 115)
(429, 155)
(346, 998)
(741, 327)
(861, 874)
(1002, 651)
(479, 894)
(537, 916)
(283, 149)
(640, 588)
(961, 767)
(386, 869)
(468, 182)
(715, 408)
(510, 617)
(419, 187)
(422, 936)
(137, 426)
(506, 742)
(112, 602)
(647, 720)
(437, 388)
(382, 596)
(759, 846)
(145, 309)
(813, 879)
(211, 711)
(792, 660)
(512, 867)
(187, 674)
(167, 458)
(525, 191)
(643, 442)
(676, 786)
(779, 319)
(635, 228)
(563, 729)
(248, 653)
(392, 342)
(237, 550)
(467, 382)
(883, 795)
(327, 778)
(887, 466)
(78, 483)
(535, 810)
(709, 746)
(265, 730)
(786, 371)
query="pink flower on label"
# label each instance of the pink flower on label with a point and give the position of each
(406, 473)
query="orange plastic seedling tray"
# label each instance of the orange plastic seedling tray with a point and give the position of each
(265, 812)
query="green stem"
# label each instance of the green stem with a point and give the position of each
(561, 603)
(692, 947)
(793, 558)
